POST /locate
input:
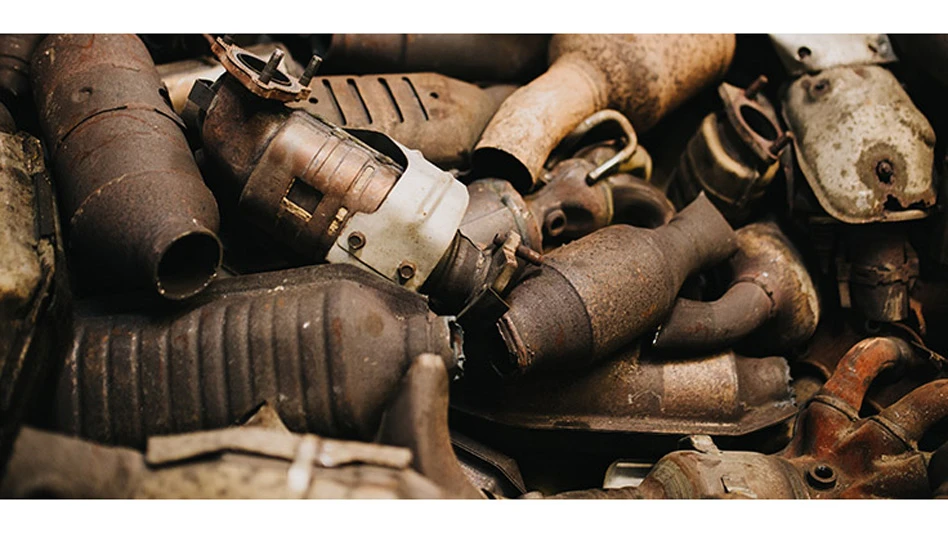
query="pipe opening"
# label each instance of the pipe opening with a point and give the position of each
(496, 163)
(188, 265)
(758, 122)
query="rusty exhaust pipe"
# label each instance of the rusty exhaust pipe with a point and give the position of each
(597, 294)
(325, 345)
(642, 76)
(771, 297)
(138, 211)
(472, 57)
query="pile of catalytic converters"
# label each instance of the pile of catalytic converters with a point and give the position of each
(473, 266)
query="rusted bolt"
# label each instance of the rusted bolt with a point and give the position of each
(779, 143)
(356, 240)
(884, 171)
(271, 67)
(754, 88)
(821, 476)
(406, 271)
(311, 67)
(523, 252)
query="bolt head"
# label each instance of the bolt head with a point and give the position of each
(356, 240)
(406, 270)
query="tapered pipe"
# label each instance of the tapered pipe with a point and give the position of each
(325, 345)
(137, 208)
(642, 76)
(601, 292)
(772, 302)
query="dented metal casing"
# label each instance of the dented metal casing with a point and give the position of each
(864, 148)
(641, 76)
(329, 195)
(325, 345)
(771, 306)
(232, 463)
(136, 208)
(733, 156)
(471, 57)
(718, 394)
(441, 117)
(32, 275)
(597, 294)
(806, 52)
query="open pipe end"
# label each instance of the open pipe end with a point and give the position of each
(188, 265)
(489, 162)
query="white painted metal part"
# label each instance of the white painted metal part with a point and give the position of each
(802, 53)
(415, 224)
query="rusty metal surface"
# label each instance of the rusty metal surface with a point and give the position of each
(719, 394)
(472, 57)
(417, 419)
(141, 220)
(642, 76)
(30, 255)
(864, 148)
(179, 77)
(440, 116)
(599, 293)
(772, 302)
(240, 462)
(834, 452)
(733, 156)
(878, 272)
(325, 345)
